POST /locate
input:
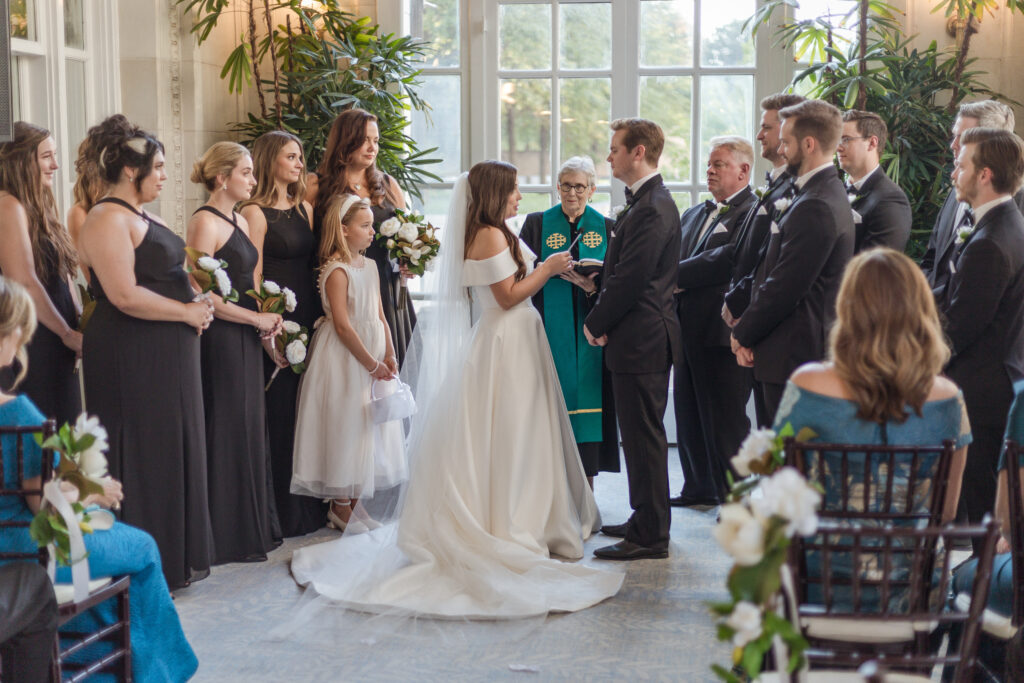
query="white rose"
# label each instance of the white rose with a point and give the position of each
(208, 263)
(740, 534)
(787, 494)
(295, 352)
(757, 443)
(271, 287)
(408, 232)
(391, 244)
(782, 204)
(90, 425)
(291, 327)
(289, 300)
(223, 281)
(93, 463)
(616, 210)
(745, 620)
(389, 228)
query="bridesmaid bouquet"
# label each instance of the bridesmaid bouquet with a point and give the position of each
(291, 343)
(273, 298)
(410, 241)
(88, 306)
(210, 274)
(80, 471)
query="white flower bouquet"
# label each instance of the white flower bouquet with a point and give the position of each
(291, 344)
(210, 273)
(411, 241)
(273, 298)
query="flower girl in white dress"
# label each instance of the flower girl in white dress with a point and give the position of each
(339, 452)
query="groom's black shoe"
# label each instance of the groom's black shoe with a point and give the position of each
(615, 530)
(624, 550)
(684, 501)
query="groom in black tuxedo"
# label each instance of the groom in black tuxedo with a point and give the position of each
(635, 320)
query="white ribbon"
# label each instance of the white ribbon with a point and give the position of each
(79, 567)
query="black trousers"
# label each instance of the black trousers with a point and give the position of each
(711, 393)
(640, 402)
(978, 491)
(767, 397)
(28, 622)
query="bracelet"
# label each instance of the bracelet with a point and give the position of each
(377, 365)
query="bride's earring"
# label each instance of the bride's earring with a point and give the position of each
(224, 187)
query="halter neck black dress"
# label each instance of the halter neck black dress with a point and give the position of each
(289, 259)
(237, 447)
(142, 379)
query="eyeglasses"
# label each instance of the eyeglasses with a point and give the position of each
(575, 189)
(847, 139)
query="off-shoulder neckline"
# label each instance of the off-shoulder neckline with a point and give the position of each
(804, 390)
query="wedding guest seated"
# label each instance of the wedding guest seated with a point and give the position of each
(159, 649)
(28, 622)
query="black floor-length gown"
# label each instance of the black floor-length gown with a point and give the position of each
(142, 378)
(51, 381)
(289, 259)
(237, 448)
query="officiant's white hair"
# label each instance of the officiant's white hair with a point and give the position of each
(579, 164)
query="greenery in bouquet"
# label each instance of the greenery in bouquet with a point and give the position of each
(81, 469)
(273, 298)
(210, 274)
(410, 240)
(291, 344)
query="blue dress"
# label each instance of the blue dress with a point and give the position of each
(160, 651)
(1000, 597)
(835, 420)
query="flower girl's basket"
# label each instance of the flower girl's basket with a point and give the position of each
(397, 405)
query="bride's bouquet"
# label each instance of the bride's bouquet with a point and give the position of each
(210, 273)
(273, 298)
(411, 241)
(291, 343)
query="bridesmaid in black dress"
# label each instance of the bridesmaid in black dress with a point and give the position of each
(280, 228)
(237, 448)
(350, 167)
(141, 355)
(37, 252)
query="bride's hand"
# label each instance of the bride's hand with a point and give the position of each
(559, 263)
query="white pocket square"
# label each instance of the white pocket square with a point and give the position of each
(719, 229)
(857, 219)
(761, 211)
(775, 228)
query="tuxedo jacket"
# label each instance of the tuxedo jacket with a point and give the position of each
(936, 259)
(635, 307)
(795, 285)
(752, 241)
(884, 212)
(705, 269)
(983, 307)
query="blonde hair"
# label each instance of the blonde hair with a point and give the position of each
(333, 241)
(887, 344)
(220, 160)
(17, 312)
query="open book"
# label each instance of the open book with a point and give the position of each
(587, 266)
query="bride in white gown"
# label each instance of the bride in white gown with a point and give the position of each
(496, 485)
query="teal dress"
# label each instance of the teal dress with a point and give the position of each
(835, 420)
(1000, 597)
(160, 651)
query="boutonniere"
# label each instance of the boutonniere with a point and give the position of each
(723, 209)
(620, 211)
(783, 203)
(853, 197)
(761, 192)
(962, 234)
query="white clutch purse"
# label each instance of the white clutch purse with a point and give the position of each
(397, 404)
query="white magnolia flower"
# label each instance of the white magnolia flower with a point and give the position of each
(740, 534)
(389, 228)
(746, 621)
(90, 425)
(295, 352)
(408, 232)
(782, 203)
(223, 281)
(291, 327)
(208, 263)
(757, 443)
(289, 300)
(303, 337)
(271, 287)
(93, 463)
(787, 494)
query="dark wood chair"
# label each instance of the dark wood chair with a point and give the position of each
(118, 659)
(854, 607)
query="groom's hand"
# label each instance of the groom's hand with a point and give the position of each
(594, 341)
(744, 356)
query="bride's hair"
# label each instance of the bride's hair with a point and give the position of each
(490, 184)
(333, 240)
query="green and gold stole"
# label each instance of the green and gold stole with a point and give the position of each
(578, 363)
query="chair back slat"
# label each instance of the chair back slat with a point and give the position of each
(19, 434)
(1014, 453)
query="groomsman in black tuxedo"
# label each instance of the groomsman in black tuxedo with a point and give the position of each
(635, 320)
(953, 215)
(881, 210)
(983, 302)
(711, 390)
(810, 242)
(753, 232)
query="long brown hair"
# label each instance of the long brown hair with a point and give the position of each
(123, 145)
(490, 184)
(887, 344)
(53, 252)
(264, 158)
(17, 312)
(89, 183)
(347, 135)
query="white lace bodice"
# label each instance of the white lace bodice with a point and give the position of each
(479, 275)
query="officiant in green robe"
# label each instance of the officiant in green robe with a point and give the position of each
(564, 303)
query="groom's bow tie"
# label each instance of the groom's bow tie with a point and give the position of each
(629, 196)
